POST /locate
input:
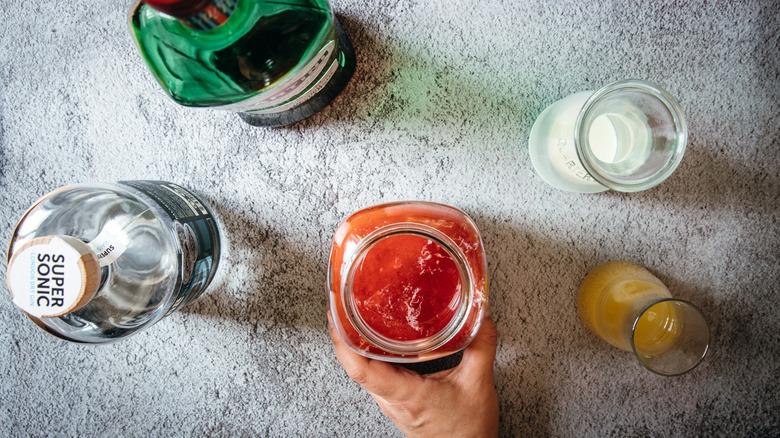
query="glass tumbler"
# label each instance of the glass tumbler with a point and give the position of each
(628, 136)
(625, 305)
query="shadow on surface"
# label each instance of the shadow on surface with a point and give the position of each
(435, 101)
(532, 301)
(707, 180)
(281, 284)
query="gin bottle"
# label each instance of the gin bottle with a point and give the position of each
(93, 263)
(273, 62)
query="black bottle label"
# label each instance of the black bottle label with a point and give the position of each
(196, 230)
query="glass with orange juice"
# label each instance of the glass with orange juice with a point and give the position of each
(625, 305)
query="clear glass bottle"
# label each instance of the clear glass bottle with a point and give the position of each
(627, 306)
(274, 63)
(627, 136)
(407, 281)
(93, 263)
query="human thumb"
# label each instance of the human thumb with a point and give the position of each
(479, 356)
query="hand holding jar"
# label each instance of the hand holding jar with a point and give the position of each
(461, 401)
(407, 281)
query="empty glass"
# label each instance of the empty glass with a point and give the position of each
(628, 136)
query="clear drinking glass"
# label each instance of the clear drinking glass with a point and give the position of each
(625, 305)
(628, 136)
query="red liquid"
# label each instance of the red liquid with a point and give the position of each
(407, 288)
(385, 282)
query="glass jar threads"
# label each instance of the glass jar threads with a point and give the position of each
(407, 281)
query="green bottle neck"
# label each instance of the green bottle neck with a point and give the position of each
(213, 16)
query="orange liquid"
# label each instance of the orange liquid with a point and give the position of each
(657, 330)
(613, 295)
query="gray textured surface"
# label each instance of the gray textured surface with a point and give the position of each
(439, 109)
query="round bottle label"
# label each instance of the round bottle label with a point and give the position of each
(53, 275)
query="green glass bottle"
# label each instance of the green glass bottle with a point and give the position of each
(273, 62)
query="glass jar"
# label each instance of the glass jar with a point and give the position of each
(407, 281)
(628, 136)
(97, 262)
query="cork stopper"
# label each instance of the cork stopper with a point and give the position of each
(53, 275)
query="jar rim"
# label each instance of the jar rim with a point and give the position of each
(694, 311)
(417, 346)
(591, 163)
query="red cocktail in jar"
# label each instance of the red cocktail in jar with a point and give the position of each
(407, 281)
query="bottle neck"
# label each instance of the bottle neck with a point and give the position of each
(215, 15)
(417, 346)
(199, 15)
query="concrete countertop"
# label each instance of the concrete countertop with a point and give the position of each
(440, 109)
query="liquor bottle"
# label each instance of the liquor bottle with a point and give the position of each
(272, 62)
(94, 263)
